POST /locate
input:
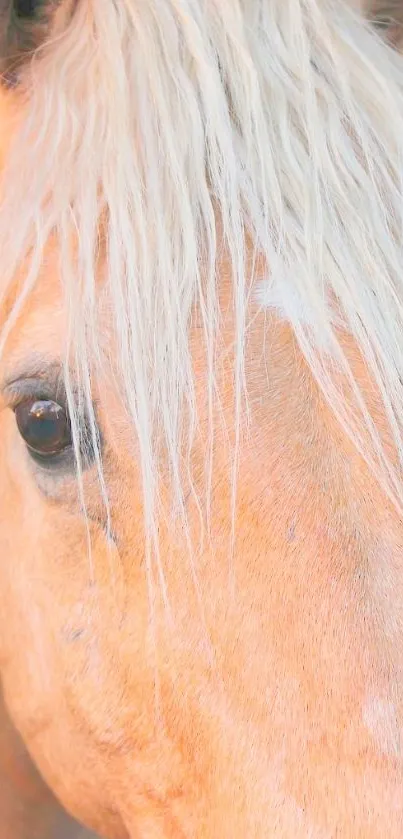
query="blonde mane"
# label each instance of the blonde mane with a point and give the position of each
(148, 121)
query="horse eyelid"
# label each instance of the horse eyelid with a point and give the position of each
(15, 392)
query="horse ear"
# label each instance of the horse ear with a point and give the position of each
(25, 25)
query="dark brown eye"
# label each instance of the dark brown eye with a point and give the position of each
(44, 426)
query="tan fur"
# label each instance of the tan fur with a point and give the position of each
(27, 808)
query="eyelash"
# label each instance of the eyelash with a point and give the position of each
(17, 392)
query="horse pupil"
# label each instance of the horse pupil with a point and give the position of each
(44, 426)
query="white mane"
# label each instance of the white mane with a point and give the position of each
(150, 119)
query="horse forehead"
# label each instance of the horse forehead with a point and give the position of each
(41, 327)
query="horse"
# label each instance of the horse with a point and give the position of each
(201, 411)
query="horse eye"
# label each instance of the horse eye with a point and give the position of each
(44, 426)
